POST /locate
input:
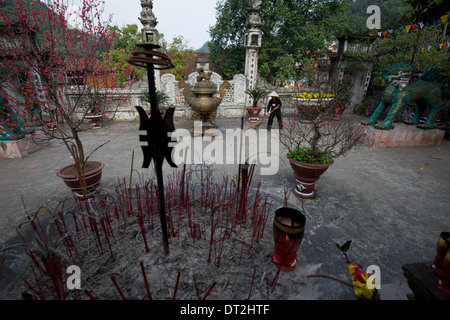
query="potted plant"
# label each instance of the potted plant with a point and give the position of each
(161, 98)
(342, 96)
(93, 103)
(255, 109)
(63, 68)
(309, 103)
(312, 147)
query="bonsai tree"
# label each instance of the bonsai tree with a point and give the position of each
(312, 146)
(321, 139)
(62, 65)
(256, 95)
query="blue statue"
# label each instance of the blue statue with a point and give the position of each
(426, 92)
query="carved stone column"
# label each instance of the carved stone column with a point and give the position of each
(253, 38)
(149, 33)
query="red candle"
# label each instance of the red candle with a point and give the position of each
(288, 230)
(444, 282)
(441, 251)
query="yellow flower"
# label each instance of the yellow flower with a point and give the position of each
(309, 95)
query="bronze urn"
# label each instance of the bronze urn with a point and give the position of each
(201, 99)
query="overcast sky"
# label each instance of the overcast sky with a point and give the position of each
(188, 18)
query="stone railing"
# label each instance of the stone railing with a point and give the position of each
(232, 106)
(121, 106)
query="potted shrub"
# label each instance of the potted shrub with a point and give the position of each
(93, 104)
(342, 96)
(255, 109)
(161, 98)
(312, 147)
(309, 103)
(62, 68)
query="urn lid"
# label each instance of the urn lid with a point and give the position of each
(204, 87)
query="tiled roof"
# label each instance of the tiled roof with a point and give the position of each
(191, 64)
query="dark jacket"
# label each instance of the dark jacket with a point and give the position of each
(274, 102)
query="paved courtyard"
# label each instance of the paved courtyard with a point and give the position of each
(391, 202)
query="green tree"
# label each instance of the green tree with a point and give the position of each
(227, 37)
(125, 40)
(294, 31)
(403, 47)
(178, 52)
(399, 48)
(390, 10)
(425, 10)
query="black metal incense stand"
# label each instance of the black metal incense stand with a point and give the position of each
(156, 127)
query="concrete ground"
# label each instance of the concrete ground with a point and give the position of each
(391, 202)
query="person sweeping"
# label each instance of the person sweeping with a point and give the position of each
(274, 109)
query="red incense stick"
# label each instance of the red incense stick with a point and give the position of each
(149, 295)
(209, 290)
(118, 288)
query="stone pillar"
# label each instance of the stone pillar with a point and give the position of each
(253, 38)
(149, 32)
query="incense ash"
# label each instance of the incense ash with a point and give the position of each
(220, 240)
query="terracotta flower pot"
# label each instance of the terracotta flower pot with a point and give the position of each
(50, 126)
(253, 114)
(306, 176)
(338, 113)
(93, 175)
(96, 120)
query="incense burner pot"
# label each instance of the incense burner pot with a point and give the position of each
(201, 99)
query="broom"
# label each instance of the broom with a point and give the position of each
(256, 125)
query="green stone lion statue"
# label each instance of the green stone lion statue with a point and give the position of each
(426, 92)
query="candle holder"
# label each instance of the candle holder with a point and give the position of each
(441, 250)
(444, 281)
(288, 230)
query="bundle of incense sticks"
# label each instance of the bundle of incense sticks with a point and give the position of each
(94, 224)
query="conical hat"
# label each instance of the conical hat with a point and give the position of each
(273, 94)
